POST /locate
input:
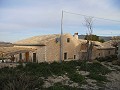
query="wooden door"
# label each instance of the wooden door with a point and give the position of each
(27, 56)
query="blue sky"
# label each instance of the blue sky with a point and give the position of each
(21, 19)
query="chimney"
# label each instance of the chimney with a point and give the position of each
(76, 35)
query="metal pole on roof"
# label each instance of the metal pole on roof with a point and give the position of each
(61, 41)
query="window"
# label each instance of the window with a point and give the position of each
(68, 40)
(20, 56)
(34, 57)
(65, 56)
(74, 56)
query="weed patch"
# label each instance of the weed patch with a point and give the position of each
(95, 67)
(97, 77)
(77, 78)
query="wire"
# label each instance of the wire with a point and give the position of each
(91, 16)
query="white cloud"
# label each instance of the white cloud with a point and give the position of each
(102, 8)
(47, 14)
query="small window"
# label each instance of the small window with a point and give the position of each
(68, 40)
(74, 56)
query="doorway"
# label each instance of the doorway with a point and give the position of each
(65, 56)
(27, 56)
(34, 57)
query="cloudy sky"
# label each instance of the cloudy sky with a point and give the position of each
(20, 19)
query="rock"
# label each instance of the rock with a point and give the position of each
(91, 81)
(84, 73)
(74, 85)
(114, 83)
(47, 84)
(86, 87)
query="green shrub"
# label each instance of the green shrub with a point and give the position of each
(11, 76)
(62, 68)
(45, 69)
(97, 77)
(107, 58)
(77, 78)
(56, 68)
(116, 62)
(95, 67)
(41, 69)
(20, 82)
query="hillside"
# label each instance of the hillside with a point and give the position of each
(106, 38)
(5, 44)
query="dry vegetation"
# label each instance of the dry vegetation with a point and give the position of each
(61, 76)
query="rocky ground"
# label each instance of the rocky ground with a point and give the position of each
(113, 77)
(73, 75)
(91, 84)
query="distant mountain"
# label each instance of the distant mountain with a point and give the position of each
(106, 38)
(5, 44)
(81, 36)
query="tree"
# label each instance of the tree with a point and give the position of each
(89, 25)
(101, 40)
(116, 43)
(115, 40)
(94, 38)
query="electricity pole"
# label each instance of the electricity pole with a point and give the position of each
(61, 39)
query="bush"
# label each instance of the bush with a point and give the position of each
(45, 69)
(29, 75)
(97, 77)
(64, 67)
(116, 62)
(95, 67)
(77, 78)
(20, 82)
(56, 68)
(41, 69)
(107, 58)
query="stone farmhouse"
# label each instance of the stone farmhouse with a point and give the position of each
(47, 48)
(99, 49)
